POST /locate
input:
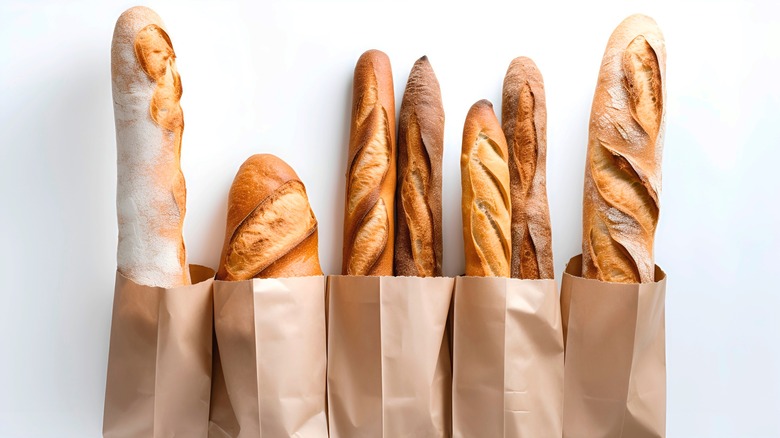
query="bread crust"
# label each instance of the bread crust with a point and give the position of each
(369, 225)
(151, 193)
(486, 202)
(418, 241)
(271, 231)
(524, 117)
(623, 165)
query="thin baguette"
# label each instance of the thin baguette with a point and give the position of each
(369, 210)
(418, 242)
(524, 115)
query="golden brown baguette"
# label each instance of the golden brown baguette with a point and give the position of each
(524, 116)
(486, 203)
(271, 230)
(623, 165)
(151, 195)
(370, 189)
(418, 242)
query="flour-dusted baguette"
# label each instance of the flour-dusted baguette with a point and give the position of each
(370, 190)
(418, 241)
(486, 202)
(271, 230)
(524, 120)
(151, 195)
(623, 166)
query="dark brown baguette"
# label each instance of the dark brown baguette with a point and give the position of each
(418, 241)
(623, 165)
(524, 116)
(369, 225)
(486, 203)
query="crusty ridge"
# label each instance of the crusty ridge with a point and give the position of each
(370, 191)
(623, 165)
(524, 115)
(418, 243)
(486, 203)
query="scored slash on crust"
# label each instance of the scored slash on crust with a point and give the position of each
(279, 223)
(366, 174)
(624, 153)
(490, 206)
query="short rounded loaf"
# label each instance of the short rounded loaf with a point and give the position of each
(623, 164)
(271, 231)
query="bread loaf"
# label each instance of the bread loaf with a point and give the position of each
(486, 203)
(271, 230)
(370, 188)
(418, 242)
(623, 165)
(151, 195)
(524, 120)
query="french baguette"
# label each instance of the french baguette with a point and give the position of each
(151, 194)
(524, 117)
(369, 209)
(486, 202)
(418, 241)
(623, 164)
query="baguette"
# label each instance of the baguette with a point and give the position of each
(271, 231)
(623, 165)
(418, 241)
(486, 203)
(370, 188)
(524, 116)
(151, 194)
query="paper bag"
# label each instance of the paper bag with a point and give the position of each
(615, 356)
(271, 340)
(389, 369)
(507, 358)
(159, 360)
(222, 419)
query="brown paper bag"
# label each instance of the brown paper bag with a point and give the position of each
(507, 358)
(271, 339)
(222, 419)
(615, 356)
(389, 369)
(159, 359)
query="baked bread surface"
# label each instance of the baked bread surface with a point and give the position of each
(418, 241)
(271, 230)
(369, 211)
(623, 164)
(151, 193)
(486, 201)
(524, 121)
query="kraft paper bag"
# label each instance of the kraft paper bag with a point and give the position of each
(159, 360)
(615, 356)
(389, 366)
(507, 358)
(272, 347)
(222, 419)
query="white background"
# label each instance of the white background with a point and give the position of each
(276, 77)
